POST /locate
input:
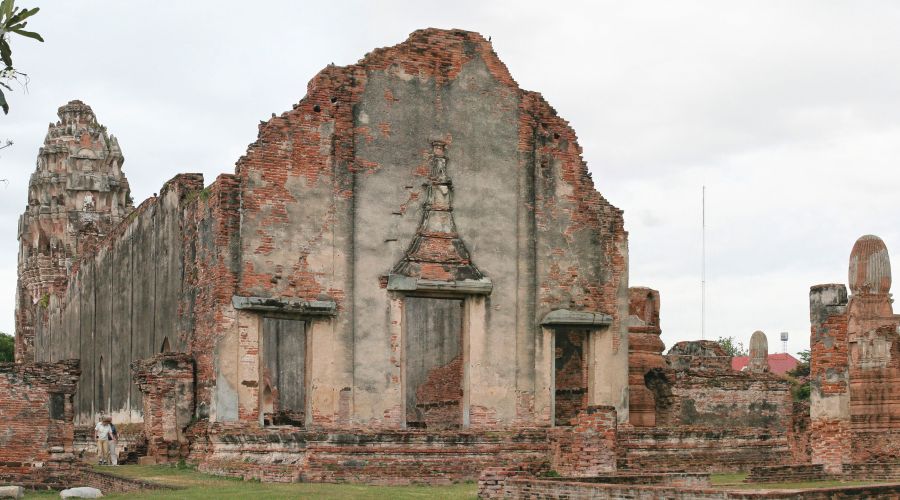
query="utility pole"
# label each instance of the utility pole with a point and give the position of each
(703, 264)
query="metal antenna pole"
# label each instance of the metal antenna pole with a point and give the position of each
(703, 266)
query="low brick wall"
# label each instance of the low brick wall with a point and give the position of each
(493, 481)
(517, 487)
(681, 479)
(55, 473)
(387, 457)
(109, 483)
(789, 474)
(872, 471)
(876, 446)
(798, 434)
(700, 449)
(850, 472)
(588, 447)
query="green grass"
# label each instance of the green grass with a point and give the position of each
(197, 485)
(734, 481)
(727, 478)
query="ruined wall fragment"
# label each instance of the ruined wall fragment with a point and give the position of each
(37, 413)
(333, 192)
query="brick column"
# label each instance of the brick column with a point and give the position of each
(588, 447)
(829, 377)
(167, 384)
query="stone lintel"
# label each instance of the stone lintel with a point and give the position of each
(565, 317)
(400, 283)
(302, 307)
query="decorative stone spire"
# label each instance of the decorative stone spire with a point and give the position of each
(436, 253)
(75, 196)
(870, 266)
(759, 353)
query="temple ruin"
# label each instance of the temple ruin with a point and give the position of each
(409, 277)
(855, 370)
(76, 195)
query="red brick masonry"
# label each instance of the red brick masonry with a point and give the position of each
(36, 415)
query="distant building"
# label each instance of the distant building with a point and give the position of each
(779, 364)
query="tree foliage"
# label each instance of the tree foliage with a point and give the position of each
(7, 347)
(732, 346)
(12, 21)
(800, 377)
(802, 368)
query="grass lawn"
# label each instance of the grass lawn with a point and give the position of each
(197, 485)
(203, 486)
(735, 481)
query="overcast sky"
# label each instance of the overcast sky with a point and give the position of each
(788, 112)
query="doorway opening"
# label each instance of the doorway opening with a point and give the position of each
(283, 399)
(570, 375)
(434, 362)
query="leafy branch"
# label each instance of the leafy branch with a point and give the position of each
(12, 20)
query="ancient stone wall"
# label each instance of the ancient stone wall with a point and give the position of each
(348, 170)
(124, 302)
(709, 417)
(422, 171)
(284, 454)
(707, 392)
(587, 448)
(37, 412)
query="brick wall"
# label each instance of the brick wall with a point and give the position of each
(167, 383)
(37, 413)
(712, 449)
(385, 457)
(799, 433)
(589, 446)
(516, 487)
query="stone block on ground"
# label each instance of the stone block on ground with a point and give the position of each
(12, 492)
(81, 492)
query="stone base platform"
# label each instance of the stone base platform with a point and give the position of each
(384, 457)
(874, 471)
(694, 448)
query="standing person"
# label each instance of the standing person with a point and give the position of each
(101, 433)
(113, 441)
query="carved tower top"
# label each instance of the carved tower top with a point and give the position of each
(76, 194)
(870, 266)
(759, 353)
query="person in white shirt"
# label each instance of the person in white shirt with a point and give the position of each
(102, 433)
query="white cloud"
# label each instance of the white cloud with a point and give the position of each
(789, 112)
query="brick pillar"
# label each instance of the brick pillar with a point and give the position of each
(829, 377)
(588, 447)
(644, 354)
(167, 384)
